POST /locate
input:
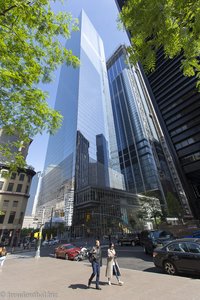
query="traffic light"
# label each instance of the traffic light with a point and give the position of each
(37, 235)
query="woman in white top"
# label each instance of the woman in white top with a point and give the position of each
(3, 253)
(112, 267)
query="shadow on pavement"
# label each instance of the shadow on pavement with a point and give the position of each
(153, 270)
(78, 286)
(84, 286)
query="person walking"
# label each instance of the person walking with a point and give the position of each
(3, 254)
(96, 261)
(112, 267)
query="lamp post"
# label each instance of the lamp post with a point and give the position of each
(37, 254)
(50, 225)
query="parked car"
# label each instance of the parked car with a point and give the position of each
(26, 242)
(51, 242)
(54, 241)
(181, 255)
(195, 234)
(129, 239)
(150, 239)
(67, 251)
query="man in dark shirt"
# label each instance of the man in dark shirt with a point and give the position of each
(96, 264)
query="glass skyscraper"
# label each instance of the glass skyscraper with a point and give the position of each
(84, 150)
(141, 158)
(175, 101)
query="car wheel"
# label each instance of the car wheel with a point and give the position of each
(133, 243)
(66, 256)
(169, 268)
(55, 255)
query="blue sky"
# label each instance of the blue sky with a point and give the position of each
(103, 14)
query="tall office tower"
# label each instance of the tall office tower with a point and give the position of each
(176, 102)
(141, 158)
(84, 150)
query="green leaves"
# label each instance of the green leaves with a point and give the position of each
(174, 207)
(172, 24)
(30, 51)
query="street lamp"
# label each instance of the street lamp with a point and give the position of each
(37, 254)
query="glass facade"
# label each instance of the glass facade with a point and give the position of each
(84, 150)
(176, 101)
(136, 137)
(104, 211)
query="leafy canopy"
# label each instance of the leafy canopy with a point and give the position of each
(30, 51)
(150, 208)
(174, 207)
(171, 24)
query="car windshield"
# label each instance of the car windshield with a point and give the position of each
(69, 246)
(161, 234)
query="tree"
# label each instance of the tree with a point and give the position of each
(132, 222)
(171, 24)
(174, 207)
(149, 208)
(30, 51)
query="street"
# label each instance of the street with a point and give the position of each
(24, 276)
(129, 257)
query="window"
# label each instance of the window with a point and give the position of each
(11, 217)
(13, 175)
(27, 189)
(2, 216)
(10, 187)
(21, 177)
(1, 185)
(5, 203)
(15, 203)
(193, 248)
(174, 247)
(19, 188)
(183, 247)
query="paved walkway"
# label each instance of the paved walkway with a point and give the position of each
(49, 278)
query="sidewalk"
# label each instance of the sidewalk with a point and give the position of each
(13, 250)
(57, 279)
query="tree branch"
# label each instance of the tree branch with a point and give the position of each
(6, 10)
(13, 6)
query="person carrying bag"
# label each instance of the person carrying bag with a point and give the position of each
(3, 254)
(112, 267)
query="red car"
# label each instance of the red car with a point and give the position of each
(67, 251)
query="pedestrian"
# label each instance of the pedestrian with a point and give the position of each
(112, 267)
(3, 254)
(96, 261)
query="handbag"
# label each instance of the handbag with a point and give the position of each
(91, 257)
(116, 270)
